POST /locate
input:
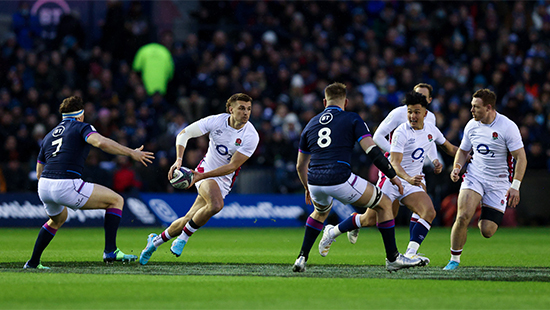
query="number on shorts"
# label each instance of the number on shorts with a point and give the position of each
(324, 137)
(57, 142)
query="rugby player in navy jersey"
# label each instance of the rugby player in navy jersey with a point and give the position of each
(59, 170)
(324, 169)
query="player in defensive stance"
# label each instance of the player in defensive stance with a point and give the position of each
(323, 166)
(59, 170)
(410, 143)
(395, 118)
(233, 139)
(492, 136)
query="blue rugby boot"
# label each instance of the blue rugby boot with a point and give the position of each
(150, 248)
(452, 265)
(177, 247)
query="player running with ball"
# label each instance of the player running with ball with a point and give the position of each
(233, 139)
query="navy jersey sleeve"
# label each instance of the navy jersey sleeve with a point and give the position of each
(87, 130)
(361, 130)
(41, 156)
(304, 147)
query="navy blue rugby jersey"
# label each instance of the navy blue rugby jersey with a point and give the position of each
(64, 149)
(330, 138)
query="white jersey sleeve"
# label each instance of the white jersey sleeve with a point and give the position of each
(399, 139)
(395, 118)
(206, 124)
(466, 144)
(513, 138)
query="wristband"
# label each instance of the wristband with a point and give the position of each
(458, 167)
(180, 158)
(516, 184)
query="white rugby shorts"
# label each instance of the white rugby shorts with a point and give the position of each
(392, 191)
(224, 182)
(59, 193)
(493, 194)
(347, 192)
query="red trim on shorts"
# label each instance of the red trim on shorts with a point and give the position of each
(235, 176)
(382, 180)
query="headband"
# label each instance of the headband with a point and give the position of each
(75, 114)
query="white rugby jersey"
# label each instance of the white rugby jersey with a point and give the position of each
(395, 118)
(415, 144)
(492, 144)
(225, 141)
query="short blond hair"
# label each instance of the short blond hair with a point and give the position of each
(237, 97)
(425, 85)
(335, 91)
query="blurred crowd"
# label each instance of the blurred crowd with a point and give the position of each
(281, 53)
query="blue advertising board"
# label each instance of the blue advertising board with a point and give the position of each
(156, 209)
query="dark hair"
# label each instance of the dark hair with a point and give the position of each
(412, 98)
(425, 85)
(71, 104)
(237, 97)
(487, 96)
(335, 91)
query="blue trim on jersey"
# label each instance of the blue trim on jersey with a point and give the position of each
(343, 162)
(363, 136)
(69, 119)
(73, 172)
(334, 107)
(302, 151)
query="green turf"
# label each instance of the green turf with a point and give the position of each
(250, 269)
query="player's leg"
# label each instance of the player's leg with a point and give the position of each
(175, 229)
(489, 221)
(421, 204)
(493, 206)
(322, 204)
(467, 203)
(46, 234)
(210, 191)
(101, 197)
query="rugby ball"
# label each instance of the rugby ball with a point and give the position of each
(181, 178)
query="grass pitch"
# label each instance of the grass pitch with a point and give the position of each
(251, 269)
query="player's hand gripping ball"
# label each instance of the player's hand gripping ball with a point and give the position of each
(181, 178)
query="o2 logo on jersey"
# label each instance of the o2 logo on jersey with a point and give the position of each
(223, 151)
(58, 131)
(483, 149)
(325, 118)
(418, 153)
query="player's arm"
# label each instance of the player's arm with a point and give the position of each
(381, 162)
(189, 132)
(39, 169)
(302, 164)
(382, 131)
(449, 148)
(237, 160)
(396, 159)
(521, 165)
(112, 147)
(461, 158)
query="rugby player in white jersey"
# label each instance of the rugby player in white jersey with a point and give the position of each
(233, 139)
(386, 128)
(490, 177)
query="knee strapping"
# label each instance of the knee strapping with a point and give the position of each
(375, 198)
(323, 210)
